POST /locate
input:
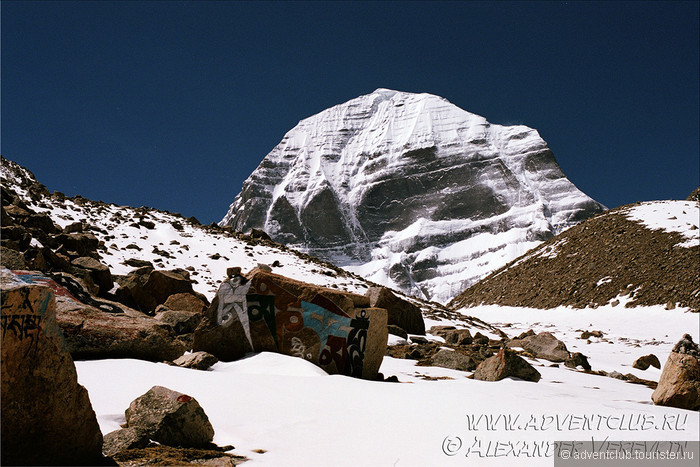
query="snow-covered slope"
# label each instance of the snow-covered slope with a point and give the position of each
(641, 254)
(321, 420)
(170, 241)
(410, 191)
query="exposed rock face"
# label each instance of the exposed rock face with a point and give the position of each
(165, 416)
(262, 311)
(504, 364)
(426, 197)
(42, 401)
(679, 384)
(401, 313)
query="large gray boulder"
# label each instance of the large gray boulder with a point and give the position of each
(165, 416)
(543, 345)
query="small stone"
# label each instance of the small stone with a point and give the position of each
(642, 363)
(197, 360)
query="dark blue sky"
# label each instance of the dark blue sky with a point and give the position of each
(173, 104)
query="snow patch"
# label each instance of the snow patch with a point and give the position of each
(670, 216)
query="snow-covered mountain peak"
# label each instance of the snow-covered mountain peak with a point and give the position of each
(385, 182)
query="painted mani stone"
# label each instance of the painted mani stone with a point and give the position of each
(268, 312)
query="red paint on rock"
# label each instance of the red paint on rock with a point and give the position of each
(184, 398)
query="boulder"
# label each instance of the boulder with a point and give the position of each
(84, 244)
(578, 359)
(642, 363)
(73, 227)
(453, 360)
(182, 322)
(185, 302)
(196, 360)
(452, 335)
(91, 333)
(171, 418)
(146, 288)
(259, 234)
(679, 384)
(42, 222)
(42, 401)
(543, 345)
(263, 311)
(400, 312)
(15, 237)
(504, 364)
(99, 273)
(138, 263)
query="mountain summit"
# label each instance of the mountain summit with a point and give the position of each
(410, 191)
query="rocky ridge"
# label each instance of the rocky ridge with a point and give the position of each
(413, 192)
(615, 258)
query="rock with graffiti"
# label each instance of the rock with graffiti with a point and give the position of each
(41, 398)
(261, 311)
(98, 328)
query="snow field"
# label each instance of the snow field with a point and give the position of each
(302, 417)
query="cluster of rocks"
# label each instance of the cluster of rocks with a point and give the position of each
(641, 264)
(489, 359)
(150, 314)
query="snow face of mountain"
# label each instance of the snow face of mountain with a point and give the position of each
(410, 191)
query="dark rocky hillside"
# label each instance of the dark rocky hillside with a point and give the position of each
(608, 258)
